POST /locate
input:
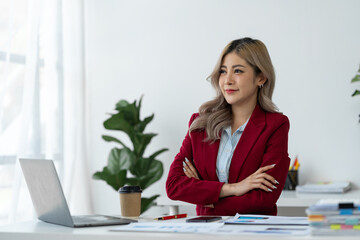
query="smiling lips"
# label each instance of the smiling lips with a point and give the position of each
(230, 91)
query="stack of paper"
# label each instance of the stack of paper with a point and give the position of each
(341, 218)
(324, 187)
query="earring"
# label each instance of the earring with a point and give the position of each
(261, 86)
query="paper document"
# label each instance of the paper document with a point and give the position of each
(267, 220)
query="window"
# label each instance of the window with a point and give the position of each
(13, 16)
(30, 97)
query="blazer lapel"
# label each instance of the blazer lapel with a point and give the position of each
(251, 133)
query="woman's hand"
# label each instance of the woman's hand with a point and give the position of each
(257, 180)
(190, 170)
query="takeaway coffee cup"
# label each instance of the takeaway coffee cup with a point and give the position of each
(130, 201)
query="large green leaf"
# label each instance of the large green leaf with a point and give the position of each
(141, 141)
(116, 181)
(120, 159)
(146, 203)
(154, 155)
(152, 175)
(112, 139)
(121, 105)
(129, 111)
(146, 162)
(357, 92)
(132, 181)
(141, 167)
(140, 127)
(118, 122)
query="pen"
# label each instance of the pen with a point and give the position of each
(296, 162)
(297, 166)
(172, 217)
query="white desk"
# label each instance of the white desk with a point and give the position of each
(287, 199)
(37, 230)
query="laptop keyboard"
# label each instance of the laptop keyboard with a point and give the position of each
(99, 220)
(93, 219)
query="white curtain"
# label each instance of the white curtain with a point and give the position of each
(52, 120)
(77, 177)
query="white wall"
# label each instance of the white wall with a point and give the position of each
(166, 49)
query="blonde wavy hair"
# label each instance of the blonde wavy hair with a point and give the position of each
(216, 114)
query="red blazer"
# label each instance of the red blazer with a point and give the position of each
(263, 142)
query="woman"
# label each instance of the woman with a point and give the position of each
(234, 157)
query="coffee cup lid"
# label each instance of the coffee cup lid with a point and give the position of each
(130, 189)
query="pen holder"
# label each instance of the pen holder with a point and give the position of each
(292, 180)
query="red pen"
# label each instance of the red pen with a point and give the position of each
(184, 215)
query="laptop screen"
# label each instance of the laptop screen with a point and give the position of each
(46, 191)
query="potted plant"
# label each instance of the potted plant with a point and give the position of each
(127, 165)
(356, 79)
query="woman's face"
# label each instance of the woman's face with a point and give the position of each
(237, 81)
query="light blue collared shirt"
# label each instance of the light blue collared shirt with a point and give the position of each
(227, 146)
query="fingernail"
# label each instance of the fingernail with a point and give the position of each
(277, 182)
(184, 164)
(184, 169)
(274, 187)
(269, 190)
(187, 160)
(273, 165)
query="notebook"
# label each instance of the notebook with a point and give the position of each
(325, 187)
(49, 201)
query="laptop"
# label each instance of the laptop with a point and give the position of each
(49, 201)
